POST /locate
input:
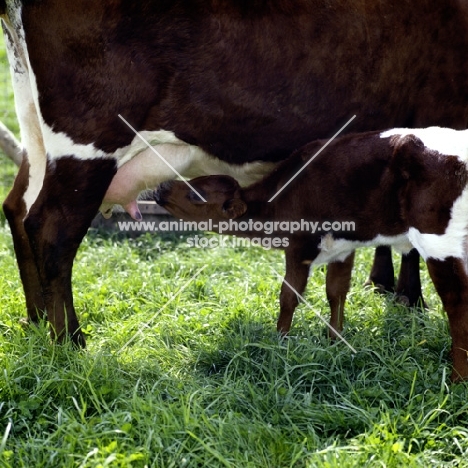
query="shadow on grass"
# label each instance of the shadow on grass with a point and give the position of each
(406, 344)
(241, 384)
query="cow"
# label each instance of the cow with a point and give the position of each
(115, 96)
(420, 176)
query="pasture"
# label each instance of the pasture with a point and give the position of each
(184, 368)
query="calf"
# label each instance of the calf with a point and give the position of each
(404, 188)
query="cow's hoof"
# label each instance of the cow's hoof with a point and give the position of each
(382, 289)
(78, 340)
(402, 300)
(378, 288)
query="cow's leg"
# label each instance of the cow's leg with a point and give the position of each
(382, 275)
(337, 286)
(409, 280)
(451, 282)
(15, 211)
(296, 276)
(57, 221)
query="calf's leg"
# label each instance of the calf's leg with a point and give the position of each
(337, 285)
(451, 282)
(409, 279)
(382, 274)
(295, 282)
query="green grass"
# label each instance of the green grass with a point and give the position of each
(195, 375)
(184, 368)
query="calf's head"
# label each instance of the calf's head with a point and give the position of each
(210, 197)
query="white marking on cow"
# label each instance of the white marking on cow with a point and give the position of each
(26, 108)
(57, 141)
(189, 160)
(59, 144)
(140, 143)
(336, 250)
(450, 244)
(444, 140)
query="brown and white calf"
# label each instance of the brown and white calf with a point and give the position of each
(215, 86)
(404, 188)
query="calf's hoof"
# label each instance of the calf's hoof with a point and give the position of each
(332, 335)
(457, 377)
(460, 364)
(418, 302)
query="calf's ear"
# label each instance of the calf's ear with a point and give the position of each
(234, 208)
(408, 157)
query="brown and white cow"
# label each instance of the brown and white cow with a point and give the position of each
(402, 187)
(216, 86)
